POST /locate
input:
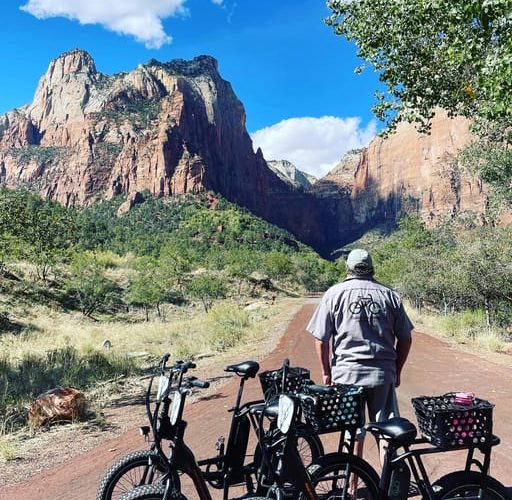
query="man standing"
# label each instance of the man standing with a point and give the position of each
(370, 334)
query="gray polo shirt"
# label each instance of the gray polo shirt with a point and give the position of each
(363, 319)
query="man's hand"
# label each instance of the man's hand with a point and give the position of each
(397, 381)
(327, 379)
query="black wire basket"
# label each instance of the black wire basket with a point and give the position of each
(272, 381)
(447, 424)
(343, 409)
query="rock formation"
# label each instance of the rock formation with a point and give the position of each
(289, 173)
(177, 127)
(411, 172)
(170, 128)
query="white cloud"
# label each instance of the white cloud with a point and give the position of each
(141, 19)
(313, 145)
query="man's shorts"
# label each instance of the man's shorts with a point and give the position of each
(381, 404)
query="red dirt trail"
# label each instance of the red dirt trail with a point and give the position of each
(433, 368)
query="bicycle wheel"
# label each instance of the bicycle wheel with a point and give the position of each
(329, 477)
(310, 448)
(130, 471)
(464, 484)
(148, 492)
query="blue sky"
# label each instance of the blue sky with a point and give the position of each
(295, 77)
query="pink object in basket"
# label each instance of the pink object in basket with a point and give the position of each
(464, 398)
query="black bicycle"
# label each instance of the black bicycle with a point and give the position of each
(325, 409)
(145, 466)
(181, 463)
(280, 471)
(403, 457)
(222, 471)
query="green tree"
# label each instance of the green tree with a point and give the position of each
(207, 287)
(35, 229)
(429, 53)
(150, 287)
(277, 265)
(239, 264)
(88, 285)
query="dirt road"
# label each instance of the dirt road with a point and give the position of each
(433, 368)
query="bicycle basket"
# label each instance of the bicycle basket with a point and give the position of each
(448, 425)
(271, 381)
(332, 412)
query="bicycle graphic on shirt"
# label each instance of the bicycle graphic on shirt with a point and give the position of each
(365, 306)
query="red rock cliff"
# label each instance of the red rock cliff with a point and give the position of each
(409, 172)
(170, 128)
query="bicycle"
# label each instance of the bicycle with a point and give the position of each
(366, 305)
(281, 470)
(181, 460)
(282, 473)
(144, 466)
(400, 461)
(225, 469)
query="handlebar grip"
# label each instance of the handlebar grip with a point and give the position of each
(201, 384)
(164, 359)
(285, 370)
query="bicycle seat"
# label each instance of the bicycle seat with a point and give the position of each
(397, 429)
(320, 389)
(247, 368)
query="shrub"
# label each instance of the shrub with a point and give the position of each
(226, 325)
(8, 450)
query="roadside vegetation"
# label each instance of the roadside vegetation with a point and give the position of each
(455, 56)
(457, 277)
(87, 296)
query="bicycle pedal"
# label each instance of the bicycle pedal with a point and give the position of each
(220, 443)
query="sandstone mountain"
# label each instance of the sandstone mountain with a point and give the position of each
(289, 173)
(177, 127)
(409, 172)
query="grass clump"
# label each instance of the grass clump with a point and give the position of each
(226, 325)
(8, 450)
(23, 380)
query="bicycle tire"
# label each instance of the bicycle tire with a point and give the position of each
(310, 448)
(460, 484)
(328, 476)
(127, 473)
(148, 492)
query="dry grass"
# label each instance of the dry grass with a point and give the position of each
(8, 449)
(467, 328)
(75, 346)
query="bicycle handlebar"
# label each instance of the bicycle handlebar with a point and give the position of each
(200, 384)
(286, 368)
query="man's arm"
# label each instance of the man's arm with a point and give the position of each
(402, 351)
(322, 348)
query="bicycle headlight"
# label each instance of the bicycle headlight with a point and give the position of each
(175, 410)
(285, 413)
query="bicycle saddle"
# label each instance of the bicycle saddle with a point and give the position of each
(320, 389)
(247, 368)
(400, 430)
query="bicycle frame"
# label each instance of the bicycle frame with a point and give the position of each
(412, 459)
(281, 461)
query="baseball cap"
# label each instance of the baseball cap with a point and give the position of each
(359, 261)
